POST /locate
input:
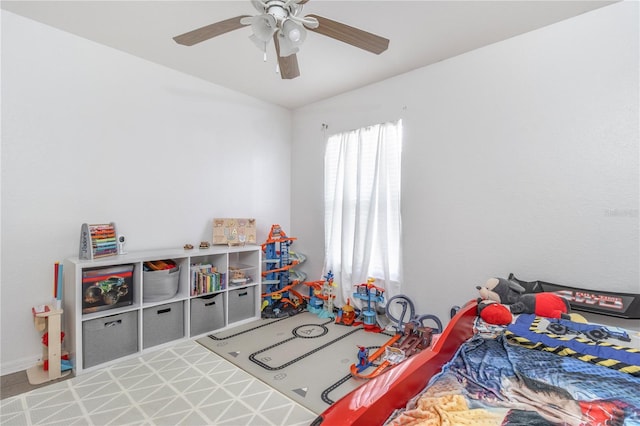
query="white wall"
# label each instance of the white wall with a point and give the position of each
(518, 157)
(90, 134)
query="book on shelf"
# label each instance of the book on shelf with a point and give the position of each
(206, 279)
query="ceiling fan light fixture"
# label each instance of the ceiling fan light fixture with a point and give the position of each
(263, 27)
(294, 32)
(294, 35)
(287, 48)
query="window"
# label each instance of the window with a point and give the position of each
(362, 208)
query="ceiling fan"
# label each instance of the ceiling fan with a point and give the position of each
(282, 21)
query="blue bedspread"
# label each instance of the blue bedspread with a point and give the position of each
(496, 382)
(591, 343)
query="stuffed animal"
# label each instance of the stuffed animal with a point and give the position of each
(514, 297)
(493, 312)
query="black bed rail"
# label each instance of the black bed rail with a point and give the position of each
(622, 305)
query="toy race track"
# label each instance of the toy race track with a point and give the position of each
(366, 361)
(304, 356)
(279, 299)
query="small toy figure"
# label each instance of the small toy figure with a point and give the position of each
(363, 358)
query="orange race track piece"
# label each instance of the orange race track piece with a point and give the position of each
(377, 354)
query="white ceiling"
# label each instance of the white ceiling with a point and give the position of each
(421, 33)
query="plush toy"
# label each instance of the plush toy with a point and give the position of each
(493, 312)
(514, 297)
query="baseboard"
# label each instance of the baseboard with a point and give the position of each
(19, 365)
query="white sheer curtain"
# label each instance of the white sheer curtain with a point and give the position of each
(362, 209)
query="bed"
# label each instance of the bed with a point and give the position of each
(475, 374)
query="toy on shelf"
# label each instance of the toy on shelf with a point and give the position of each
(159, 265)
(234, 231)
(279, 299)
(107, 287)
(98, 241)
(238, 276)
(411, 337)
(321, 296)
(372, 295)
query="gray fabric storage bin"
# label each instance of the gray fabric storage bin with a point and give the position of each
(162, 323)
(108, 338)
(207, 313)
(160, 285)
(242, 304)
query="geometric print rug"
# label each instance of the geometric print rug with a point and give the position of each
(184, 384)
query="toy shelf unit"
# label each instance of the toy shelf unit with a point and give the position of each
(121, 306)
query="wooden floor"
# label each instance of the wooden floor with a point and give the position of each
(17, 383)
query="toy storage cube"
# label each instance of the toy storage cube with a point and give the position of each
(108, 338)
(242, 304)
(162, 323)
(160, 285)
(207, 313)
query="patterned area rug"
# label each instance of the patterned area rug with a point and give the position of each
(183, 384)
(305, 357)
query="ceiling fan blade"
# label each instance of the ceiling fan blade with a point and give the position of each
(350, 35)
(210, 31)
(288, 64)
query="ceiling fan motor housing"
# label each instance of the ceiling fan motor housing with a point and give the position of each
(276, 9)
